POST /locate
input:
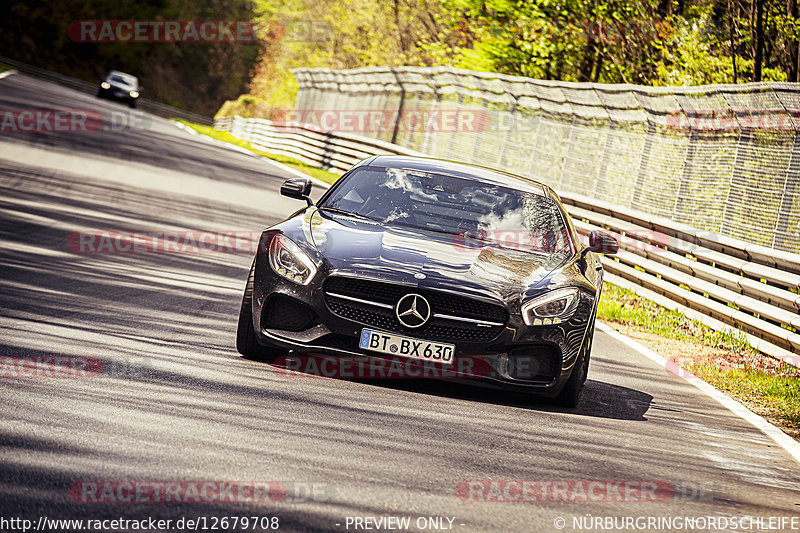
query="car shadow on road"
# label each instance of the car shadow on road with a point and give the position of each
(599, 399)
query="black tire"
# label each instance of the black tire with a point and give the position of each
(570, 395)
(132, 104)
(246, 341)
(588, 351)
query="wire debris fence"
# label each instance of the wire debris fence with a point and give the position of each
(721, 158)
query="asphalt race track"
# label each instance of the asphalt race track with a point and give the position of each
(174, 402)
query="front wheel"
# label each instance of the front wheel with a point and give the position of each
(570, 395)
(246, 341)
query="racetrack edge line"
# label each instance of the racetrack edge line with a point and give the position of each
(780, 438)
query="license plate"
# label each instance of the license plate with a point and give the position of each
(379, 341)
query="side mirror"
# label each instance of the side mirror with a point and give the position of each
(601, 243)
(297, 188)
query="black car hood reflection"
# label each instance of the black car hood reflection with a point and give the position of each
(400, 254)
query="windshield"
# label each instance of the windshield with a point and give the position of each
(128, 81)
(481, 213)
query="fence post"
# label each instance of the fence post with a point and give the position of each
(785, 237)
(647, 150)
(400, 107)
(742, 137)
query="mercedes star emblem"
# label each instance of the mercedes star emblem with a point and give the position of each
(413, 310)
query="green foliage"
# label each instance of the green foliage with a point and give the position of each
(644, 41)
(650, 42)
(696, 55)
(349, 34)
(195, 76)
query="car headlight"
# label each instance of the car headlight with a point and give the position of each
(134, 94)
(105, 85)
(289, 261)
(553, 307)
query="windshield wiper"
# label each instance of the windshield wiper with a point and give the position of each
(348, 213)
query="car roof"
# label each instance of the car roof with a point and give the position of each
(443, 166)
(122, 74)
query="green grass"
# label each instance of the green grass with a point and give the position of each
(4, 68)
(773, 396)
(766, 386)
(623, 306)
(324, 175)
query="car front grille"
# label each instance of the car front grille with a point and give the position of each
(479, 321)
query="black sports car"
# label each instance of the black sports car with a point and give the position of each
(120, 86)
(435, 261)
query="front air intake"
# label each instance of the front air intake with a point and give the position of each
(285, 313)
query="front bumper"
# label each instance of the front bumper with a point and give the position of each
(537, 359)
(117, 94)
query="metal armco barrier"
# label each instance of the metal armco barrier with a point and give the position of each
(749, 287)
(725, 282)
(327, 150)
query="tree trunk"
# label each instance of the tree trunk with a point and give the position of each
(589, 56)
(732, 15)
(759, 40)
(793, 72)
(598, 69)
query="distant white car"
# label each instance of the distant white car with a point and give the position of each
(120, 86)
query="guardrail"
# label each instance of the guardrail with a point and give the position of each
(726, 283)
(145, 104)
(729, 284)
(324, 149)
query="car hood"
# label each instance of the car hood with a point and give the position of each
(404, 255)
